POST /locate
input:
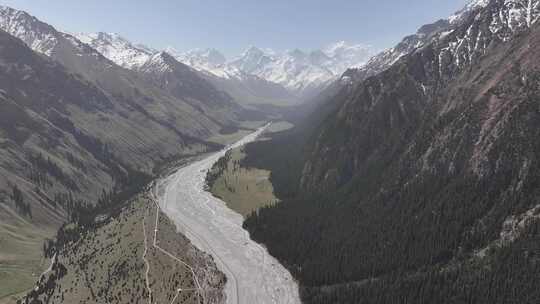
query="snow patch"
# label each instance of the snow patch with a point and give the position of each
(117, 49)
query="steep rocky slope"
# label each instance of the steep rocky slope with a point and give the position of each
(117, 49)
(168, 74)
(118, 82)
(423, 186)
(255, 77)
(439, 73)
(55, 156)
(206, 69)
(425, 34)
(77, 130)
(182, 82)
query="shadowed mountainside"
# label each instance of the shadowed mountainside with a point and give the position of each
(423, 185)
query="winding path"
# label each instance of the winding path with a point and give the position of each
(253, 276)
(199, 289)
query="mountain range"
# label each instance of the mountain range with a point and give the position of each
(414, 178)
(76, 130)
(421, 185)
(302, 73)
(293, 74)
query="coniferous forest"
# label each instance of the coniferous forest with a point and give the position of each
(422, 187)
(402, 174)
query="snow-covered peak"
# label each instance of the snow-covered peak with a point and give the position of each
(299, 70)
(213, 56)
(200, 59)
(117, 49)
(480, 21)
(409, 44)
(159, 62)
(251, 60)
(302, 71)
(472, 5)
(319, 57)
(342, 48)
(345, 55)
(493, 21)
(39, 36)
(253, 52)
(297, 54)
(333, 48)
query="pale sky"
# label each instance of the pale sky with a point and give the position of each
(232, 25)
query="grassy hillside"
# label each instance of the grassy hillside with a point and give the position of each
(21, 258)
(245, 190)
(113, 259)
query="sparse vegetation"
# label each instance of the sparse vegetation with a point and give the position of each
(103, 262)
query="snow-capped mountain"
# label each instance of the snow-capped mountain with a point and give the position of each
(117, 49)
(208, 64)
(115, 66)
(301, 72)
(508, 17)
(471, 6)
(425, 34)
(388, 57)
(346, 56)
(200, 59)
(256, 76)
(208, 61)
(39, 36)
(296, 70)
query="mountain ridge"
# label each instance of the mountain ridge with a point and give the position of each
(119, 81)
(79, 131)
(415, 186)
(303, 73)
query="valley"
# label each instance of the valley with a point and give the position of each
(22, 259)
(337, 174)
(245, 190)
(253, 275)
(411, 191)
(137, 256)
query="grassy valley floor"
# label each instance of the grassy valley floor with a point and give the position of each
(22, 238)
(245, 190)
(21, 257)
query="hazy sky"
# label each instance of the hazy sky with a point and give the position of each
(233, 25)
